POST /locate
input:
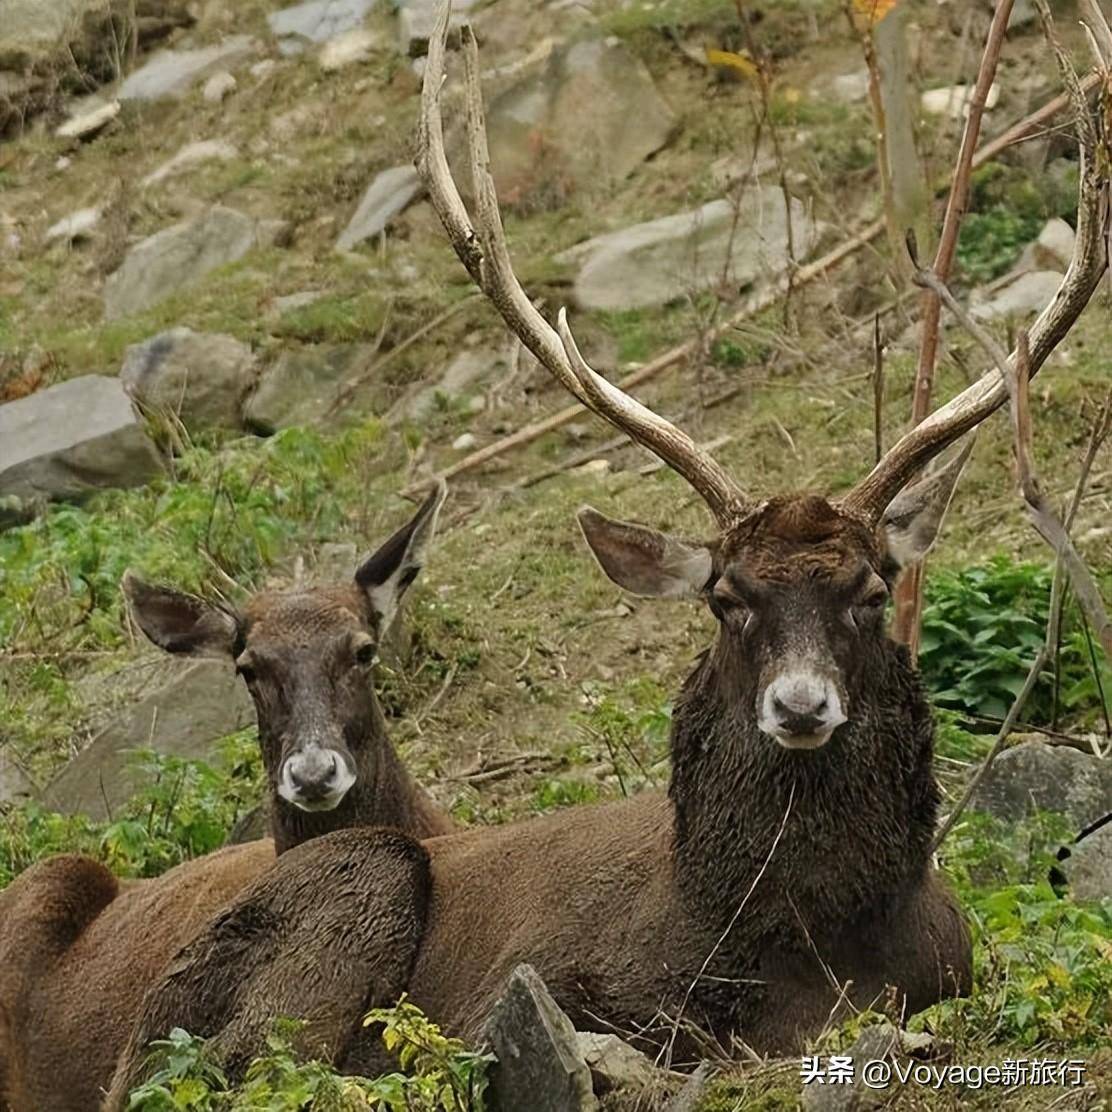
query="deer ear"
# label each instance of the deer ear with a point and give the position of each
(644, 561)
(181, 623)
(912, 521)
(384, 576)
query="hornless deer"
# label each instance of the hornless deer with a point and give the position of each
(77, 950)
(786, 870)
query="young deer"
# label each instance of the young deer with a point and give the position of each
(77, 950)
(786, 871)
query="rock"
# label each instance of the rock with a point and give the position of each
(953, 100)
(202, 378)
(1088, 868)
(292, 301)
(301, 386)
(1028, 294)
(849, 88)
(219, 86)
(172, 73)
(87, 118)
(14, 784)
(466, 370)
(204, 703)
(665, 259)
(564, 128)
(1054, 247)
(390, 192)
(179, 256)
(343, 50)
(191, 155)
(250, 826)
(690, 1097)
(613, 1063)
(465, 442)
(263, 69)
(68, 440)
(78, 225)
(31, 30)
(539, 1066)
(317, 20)
(1035, 776)
(416, 19)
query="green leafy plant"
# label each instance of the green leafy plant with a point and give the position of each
(982, 628)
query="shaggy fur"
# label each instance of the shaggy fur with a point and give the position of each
(738, 903)
(77, 952)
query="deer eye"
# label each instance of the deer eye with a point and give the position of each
(365, 653)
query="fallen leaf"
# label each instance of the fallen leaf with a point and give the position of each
(739, 63)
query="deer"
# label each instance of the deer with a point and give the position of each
(78, 948)
(786, 873)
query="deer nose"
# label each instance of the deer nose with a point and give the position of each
(315, 778)
(801, 710)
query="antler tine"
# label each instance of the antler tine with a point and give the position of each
(917, 447)
(725, 498)
(482, 249)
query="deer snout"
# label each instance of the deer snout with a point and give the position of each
(801, 710)
(315, 778)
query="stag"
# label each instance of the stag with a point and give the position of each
(786, 872)
(78, 950)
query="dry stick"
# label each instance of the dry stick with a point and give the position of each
(758, 303)
(878, 390)
(908, 596)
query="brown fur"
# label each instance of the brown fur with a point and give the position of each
(776, 868)
(77, 953)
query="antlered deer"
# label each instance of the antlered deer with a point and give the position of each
(77, 950)
(788, 863)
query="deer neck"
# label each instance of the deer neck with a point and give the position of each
(384, 794)
(816, 838)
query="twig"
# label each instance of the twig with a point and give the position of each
(878, 390)
(908, 596)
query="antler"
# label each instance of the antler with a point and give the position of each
(482, 249)
(1089, 262)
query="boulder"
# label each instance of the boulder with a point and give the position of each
(1088, 868)
(674, 256)
(346, 49)
(613, 1063)
(953, 100)
(219, 86)
(539, 1065)
(87, 117)
(78, 225)
(71, 439)
(172, 73)
(301, 386)
(416, 19)
(465, 371)
(1054, 247)
(391, 191)
(203, 703)
(563, 128)
(1028, 294)
(1036, 776)
(203, 378)
(192, 154)
(181, 255)
(317, 21)
(14, 783)
(31, 30)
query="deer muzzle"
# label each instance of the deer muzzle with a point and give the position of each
(315, 778)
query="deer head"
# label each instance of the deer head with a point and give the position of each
(797, 583)
(306, 655)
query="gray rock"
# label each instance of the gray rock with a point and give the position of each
(466, 370)
(1054, 247)
(345, 49)
(192, 154)
(14, 784)
(848, 88)
(416, 19)
(539, 1066)
(204, 703)
(1035, 776)
(179, 256)
(202, 378)
(613, 1063)
(564, 128)
(71, 439)
(390, 192)
(87, 117)
(661, 260)
(172, 73)
(78, 225)
(301, 386)
(219, 86)
(690, 1096)
(1088, 868)
(31, 30)
(319, 20)
(1030, 293)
